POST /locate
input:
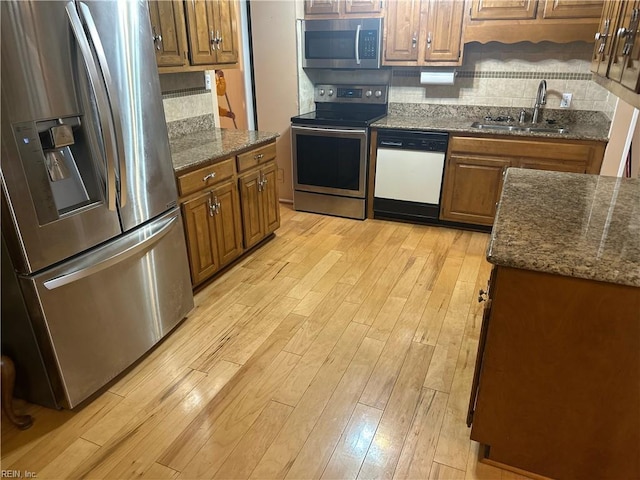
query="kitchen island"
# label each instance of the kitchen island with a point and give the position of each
(556, 388)
(228, 192)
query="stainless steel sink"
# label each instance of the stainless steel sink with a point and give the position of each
(518, 128)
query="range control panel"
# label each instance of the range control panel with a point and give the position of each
(371, 94)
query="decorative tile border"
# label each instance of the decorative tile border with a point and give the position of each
(511, 75)
(187, 92)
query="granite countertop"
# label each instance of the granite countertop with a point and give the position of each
(580, 125)
(197, 149)
(573, 224)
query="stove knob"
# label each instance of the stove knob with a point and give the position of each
(368, 93)
(378, 93)
(321, 92)
(331, 92)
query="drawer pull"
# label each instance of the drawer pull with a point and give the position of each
(259, 156)
(209, 177)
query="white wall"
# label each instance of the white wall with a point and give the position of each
(273, 30)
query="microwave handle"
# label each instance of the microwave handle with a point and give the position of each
(358, 44)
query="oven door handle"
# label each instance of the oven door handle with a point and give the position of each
(329, 130)
(358, 44)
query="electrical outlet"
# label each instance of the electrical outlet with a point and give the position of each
(207, 81)
(566, 100)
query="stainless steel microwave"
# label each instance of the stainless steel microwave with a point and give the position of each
(339, 43)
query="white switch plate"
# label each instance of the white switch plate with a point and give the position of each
(566, 100)
(207, 81)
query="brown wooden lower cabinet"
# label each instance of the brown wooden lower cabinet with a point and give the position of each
(213, 230)
(230, 213)
(557, 384)
(475, 167)
(259, 202)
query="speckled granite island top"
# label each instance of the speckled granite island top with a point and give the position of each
(580, 125)
(200, 148)
(571, 224)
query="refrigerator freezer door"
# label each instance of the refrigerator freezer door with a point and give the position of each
(105, 309)
(122, 39)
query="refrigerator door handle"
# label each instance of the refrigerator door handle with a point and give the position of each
(113, 99)
(102, 102)
(122, 255)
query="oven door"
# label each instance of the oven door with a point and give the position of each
(330, 160)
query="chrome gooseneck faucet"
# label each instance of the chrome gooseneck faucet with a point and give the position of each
(541, 99)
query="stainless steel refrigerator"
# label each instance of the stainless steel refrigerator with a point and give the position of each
(89, 202)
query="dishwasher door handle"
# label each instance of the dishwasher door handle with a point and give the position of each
(388, 143)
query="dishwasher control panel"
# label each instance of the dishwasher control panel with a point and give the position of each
(424, 141)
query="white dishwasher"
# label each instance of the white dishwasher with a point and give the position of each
(409, 170)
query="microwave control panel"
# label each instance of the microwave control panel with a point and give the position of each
(368, 44)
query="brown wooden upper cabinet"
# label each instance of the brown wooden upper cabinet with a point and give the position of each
(617, 50)
(169, 33)
(423, 32)
(342, 8)
(194, 34)
(511, 21)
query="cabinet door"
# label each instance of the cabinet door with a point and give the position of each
(201, 238)
(503, 9)
(572, 8)
(402, 25)
(168, 26)
(605, 38)
(252, 221)
(226, 38)
(631, 50)
(472, 187)
(441, 30)
(270, 201)
(228, 225)
(200, 26)
(362, 6)
(321, 7)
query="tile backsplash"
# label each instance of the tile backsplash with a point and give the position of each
(508, 75)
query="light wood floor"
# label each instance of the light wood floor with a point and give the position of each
(340, 349)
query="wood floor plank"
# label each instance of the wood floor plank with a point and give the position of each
(347, 457)
(382, 268)
(246, 455)
(234, 422)
(383, 454)
(315, 322)
(67, 461)
(444, 472)
(159, 472)
(186, 444)
(408, 277)
(299, 380)
(386, 319)
(316, 452)
(373, 294)
(282, 452)
(419, 447)
(368, 255)
(453, 443)
(306, 283)
(477, 470)
(135, 432)
(386, 371)
(310, 302)
(51, 440)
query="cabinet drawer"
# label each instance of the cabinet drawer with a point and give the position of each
(204, 177)
(521, 148)
(256, 157)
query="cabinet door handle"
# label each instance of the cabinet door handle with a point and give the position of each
(260, 184)
(216, 205)
(414, 40)
(211, 206)
(218, 40)
(482, 296)
(209, 177)
(429, 40)
(212, 41)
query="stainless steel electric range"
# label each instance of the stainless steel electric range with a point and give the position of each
(330, 149)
